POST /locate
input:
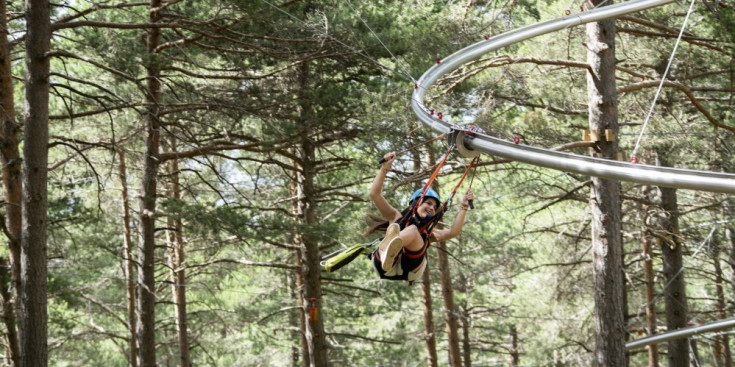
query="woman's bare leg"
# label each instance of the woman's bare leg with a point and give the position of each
(411, 238)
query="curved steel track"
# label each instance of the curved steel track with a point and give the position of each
(598, 167)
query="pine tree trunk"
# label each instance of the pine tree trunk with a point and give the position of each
(11, 342)
(694, 349)
(729, 244)
(605, 199)
(648, 277)
(450, 312)
(722, 342)
(432, 359)
(299, 275)
(463, 309)
(128, 261)
(466, 346)
(429, 334)
(176, 256)
(147, 222)
(33, 302)
(730, 239)
(305, 349)
(312, 292)
(12, 187)
(675, 298)
(294, 318)
(515, 355)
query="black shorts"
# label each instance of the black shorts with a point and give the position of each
(409, 262)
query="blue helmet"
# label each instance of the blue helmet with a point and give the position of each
(429, 194)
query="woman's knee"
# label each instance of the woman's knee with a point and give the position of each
(411, 238)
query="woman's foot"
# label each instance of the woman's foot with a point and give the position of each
(390, 246)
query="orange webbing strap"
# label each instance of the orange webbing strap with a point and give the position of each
(429, 226)
(466, 171)
(429, 182)
(418, 254)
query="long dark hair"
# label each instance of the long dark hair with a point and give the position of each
(379, 223)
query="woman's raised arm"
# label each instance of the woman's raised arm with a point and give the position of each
(376, 190)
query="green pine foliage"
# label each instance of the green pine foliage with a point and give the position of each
(233, 100)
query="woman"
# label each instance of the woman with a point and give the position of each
(408, 235)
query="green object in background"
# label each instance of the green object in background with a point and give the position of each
(341, 258)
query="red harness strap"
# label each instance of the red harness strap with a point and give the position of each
(429, 182)
(428, 227)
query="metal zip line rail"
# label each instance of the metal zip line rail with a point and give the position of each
(681, 333)
(598, 167)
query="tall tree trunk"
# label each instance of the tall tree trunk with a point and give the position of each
(147, 222)
(176, 256)
(432, 359)
(648, 277)
(722, 342)
(515, 354)
(299, 275)
(730, 245)
(466, 345)
(730, 239)
(675, 298)
(11, 342)
(605, 198)
(450, 311)
(429, 334)
(306, 176)
(463, 309)
(128, 262)
(33, 302)
(295, 318)
(12, 186)
(694, 349)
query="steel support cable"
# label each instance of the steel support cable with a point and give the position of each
(681, 333)
(633, 155)
(356, 51)
(660, 176)
(598, 167)
(375, 35)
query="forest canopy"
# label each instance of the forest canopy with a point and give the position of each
(176, 172)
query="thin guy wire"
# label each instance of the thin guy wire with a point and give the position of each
(681, 270)
(333, 38)
(663, 79)
(398, 62)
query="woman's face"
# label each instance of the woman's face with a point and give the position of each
(428, 207)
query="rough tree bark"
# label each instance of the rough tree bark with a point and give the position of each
(605, 198)
(515, 354)
(648, 279)
(722, 342)
(33, 259)
(176, 256)
(296, 319)
(432, 359)
(147, 222)
(128, 262)
(464, 313)
(466, 344)
(450, 311)
(299, 278)
(730, 245)
(12, 186)
(675, 297)
(429, 334)
(305, 179)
